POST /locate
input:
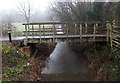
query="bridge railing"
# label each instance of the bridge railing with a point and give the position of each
(67, 29)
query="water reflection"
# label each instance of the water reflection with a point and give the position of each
(64, 63)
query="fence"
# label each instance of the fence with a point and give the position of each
(114, 33)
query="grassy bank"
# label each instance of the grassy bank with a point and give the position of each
(103, 61)
(18, 67)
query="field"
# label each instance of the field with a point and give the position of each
(20, 28)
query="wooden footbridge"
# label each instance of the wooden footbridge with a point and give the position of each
(66, 31)
(71, 32)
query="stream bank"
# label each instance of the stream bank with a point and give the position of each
(18, 67)
(96, 58)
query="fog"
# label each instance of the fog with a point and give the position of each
(9, 10)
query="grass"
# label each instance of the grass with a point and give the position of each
(20, 28)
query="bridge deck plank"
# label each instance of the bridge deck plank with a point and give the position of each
(65, 36)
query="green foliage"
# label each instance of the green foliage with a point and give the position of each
(114, 54)
(115, 70)
(6, 50)
(13, 72)
(12, 60)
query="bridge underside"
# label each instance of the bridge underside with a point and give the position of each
(69, 38)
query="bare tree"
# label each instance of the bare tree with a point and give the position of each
(26, 9)
(71, 11)
(6, 20)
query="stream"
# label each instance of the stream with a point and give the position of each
(64, 65)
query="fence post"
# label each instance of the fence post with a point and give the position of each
(26, 35)
(40, 32)
(28, 30)
(94, 32)
(111, 44)
(107, 27)
(43, 30)
(80, 32)
(9, 32)
(33, 31)
(86, 25)
(67, 32)
(53, 32)
(75, 28)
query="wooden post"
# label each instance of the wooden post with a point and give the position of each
(94, 32)
(86, 27)
(107, 34)
(75, 28)
(53, 32)
(33, 31)
(26, 34)
(67, 32)
(43, 30)
(40, 33)
(28, 30)
(80, 32)
(111, 35)
(9, 32)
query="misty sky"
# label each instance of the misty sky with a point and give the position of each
(42, 4)
(12, 4)
(9, 8)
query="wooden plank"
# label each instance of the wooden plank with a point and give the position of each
(115, 31)
(51, 23)
(45, 28)
(116, 39)
(38, 31)
(116, 26)
(118, 43)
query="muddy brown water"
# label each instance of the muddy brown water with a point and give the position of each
(64, 65)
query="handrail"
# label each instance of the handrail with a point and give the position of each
(64, 28)
(45, 23)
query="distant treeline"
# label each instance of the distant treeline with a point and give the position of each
(86, 11)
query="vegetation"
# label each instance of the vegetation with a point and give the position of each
(107, 59)
(14, 66)
(86, 11)
(18, 67)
